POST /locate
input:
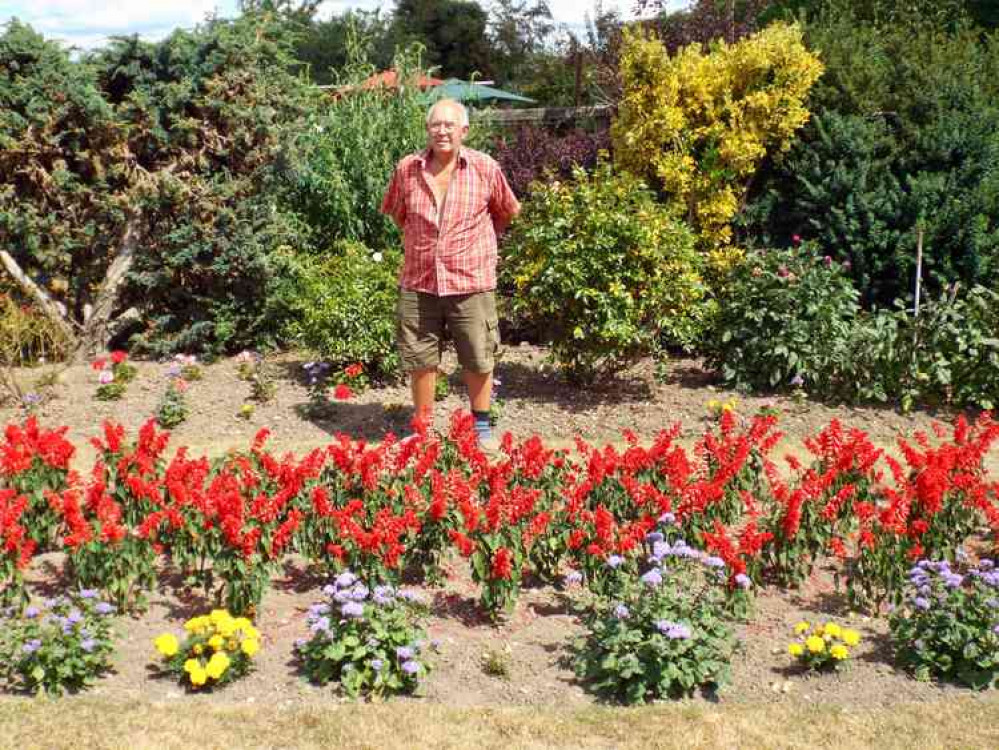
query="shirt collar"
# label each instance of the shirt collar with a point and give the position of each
(425, 157)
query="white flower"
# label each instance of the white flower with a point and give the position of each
(377, 257)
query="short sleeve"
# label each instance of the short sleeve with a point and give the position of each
(394, 202)
(503, 204)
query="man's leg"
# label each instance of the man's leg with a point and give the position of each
(420, 336)
(474, 326)
(422, 384)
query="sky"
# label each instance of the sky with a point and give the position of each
(88, 23)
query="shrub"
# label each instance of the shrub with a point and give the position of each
(172, 410)
(606, 269)
(344, 307)
(368, 641)
(790, 319)
(698, 125)
(786, 314)
(536, 153)
(903, 139)
(948, 627)
(665, 634)
(218, 649)
(341, 160)
(62, 645)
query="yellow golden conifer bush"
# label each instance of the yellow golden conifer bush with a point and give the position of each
(698, 124)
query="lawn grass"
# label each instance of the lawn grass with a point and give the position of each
(186, 723)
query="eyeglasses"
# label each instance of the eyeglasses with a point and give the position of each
(447, 127)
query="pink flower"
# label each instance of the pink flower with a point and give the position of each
(105, 377)
(796, 239)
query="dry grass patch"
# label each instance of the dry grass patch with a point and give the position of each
(968, 722)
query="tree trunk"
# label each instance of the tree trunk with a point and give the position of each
(99, 327)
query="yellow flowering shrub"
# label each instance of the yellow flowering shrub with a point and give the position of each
(698, 124)
(822, 646)
(217, 648)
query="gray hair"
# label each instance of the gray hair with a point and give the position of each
(462, 112)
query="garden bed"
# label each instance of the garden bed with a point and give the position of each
(530, 649)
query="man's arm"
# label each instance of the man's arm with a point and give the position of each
(503, 204)
(394, 202)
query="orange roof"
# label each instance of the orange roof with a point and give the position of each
(390, 78)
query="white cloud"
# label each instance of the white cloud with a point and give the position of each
(88, 23)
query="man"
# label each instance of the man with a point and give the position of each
(451, 203)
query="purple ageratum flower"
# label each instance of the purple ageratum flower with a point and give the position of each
(742, 580)
(996, 630)
(88, 645)
(713, 562)
(103, 608)
(410, 667)
(31, 613)
(31, 646)
(329, 589)
(573, 576)
(345, 580)
(405, 652)
(353, 610)
(921, 603)
(359, 592)
(660, 550)
(383, 594)
(88, 593)
(377, 664)
(652, 578)
(986, 564)
(614, 561)
(74, 617)
(320, 624)
(654, 536)
(797, 381)
(300, 643)
(953, 580)
(320, 608)
(678, 632)
(667, 519)
(992, 603)
(621, 612)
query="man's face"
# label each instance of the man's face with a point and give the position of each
(445, 132)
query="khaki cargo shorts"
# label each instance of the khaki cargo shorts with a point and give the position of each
(424, 320)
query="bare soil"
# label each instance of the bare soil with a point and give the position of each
(533, 642)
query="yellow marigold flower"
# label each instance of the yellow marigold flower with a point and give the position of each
(217, 665)
(218, 616)
(851, 637)
(839, 652)
(242, 623)
(231, 645)
(198, 649)
(815, 644)
(199, 677)
(833, 629)
(801, 627)
(216, 642)
(250, 646)
(191, 664)
(796, 649)
(166, 644)
(819, 631)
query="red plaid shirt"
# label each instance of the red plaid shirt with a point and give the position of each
(454, 253)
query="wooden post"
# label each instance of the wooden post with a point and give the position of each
(577, 60)
(919, 268)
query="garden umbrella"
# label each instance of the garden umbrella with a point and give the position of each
(466, 91)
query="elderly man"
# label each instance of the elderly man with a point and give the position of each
(451, 203)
